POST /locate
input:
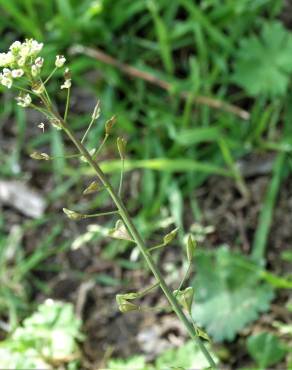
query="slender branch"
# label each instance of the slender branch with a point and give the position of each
(95, 154)
(146, 76)
(147, 290)
(87, 130)
(101, 214)
(67, 104)
(50, 75)
(184, 278)
(140, 243)
(121, 177)
(156, 247)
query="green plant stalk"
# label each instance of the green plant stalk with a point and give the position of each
(140, 243)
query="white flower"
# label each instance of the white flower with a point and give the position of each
(5, 81)
(36, 47)
(24, 51)
(36, 67)
(15, 47)
(16, 73)
(6, 59)
(41, 126)
(2, 59)
(24, 100)
(60, 61)
(67, 84)
(21, 61)
(7, 72)
(39, 62)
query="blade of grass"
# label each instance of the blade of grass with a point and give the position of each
(158, 164)
(232, 165)
(59, 161)
(266, 213)
(21, 19)
(163, 38)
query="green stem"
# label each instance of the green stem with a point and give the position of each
(101, 214)
(67, 105)
(184, 278)
(140, 243)
(50, 75)
(121, 177)
(88, 129)
(156, 247)
(95, 154)
(147, 290)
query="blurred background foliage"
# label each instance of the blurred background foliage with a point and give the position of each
(218, 99)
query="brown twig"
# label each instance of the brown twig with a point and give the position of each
(135, 72)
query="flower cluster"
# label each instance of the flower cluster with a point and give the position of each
(23, 100)
(21, 57)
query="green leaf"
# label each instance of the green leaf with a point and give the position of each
(135, 362)
(48, 335)
(263, 64)
(187, 356)
(266, 349)
(225, 294)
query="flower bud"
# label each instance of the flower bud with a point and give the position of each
(5, 81)
(67, 84)
(16, 73)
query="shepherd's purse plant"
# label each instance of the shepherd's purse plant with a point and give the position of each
(22, 70)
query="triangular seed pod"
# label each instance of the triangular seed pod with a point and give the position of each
(201, 333)
(170, 236)
(93, 187)
(185, 297)
(109, 124)
(121, 144)
(191, 246)
(120, 232)
(73, 215)
(124, 305)
(40, 156)
(96, 111)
